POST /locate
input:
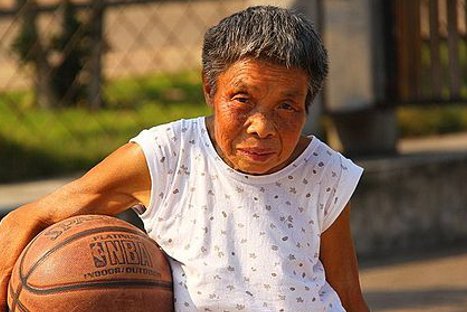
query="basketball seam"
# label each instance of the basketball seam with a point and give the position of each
(21, 307)
(17, 304)
(96, 285)
(14, 296)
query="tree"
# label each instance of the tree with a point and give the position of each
(71, 46)
(64, 82)
(29, 46)
(96, 48)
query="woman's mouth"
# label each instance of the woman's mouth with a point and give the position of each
(256, 154)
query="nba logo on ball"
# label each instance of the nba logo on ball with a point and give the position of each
(115, 252)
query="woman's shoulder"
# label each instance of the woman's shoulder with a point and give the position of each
(328, 158)
(172, 130)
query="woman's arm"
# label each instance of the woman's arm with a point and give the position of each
(117, 183)
(340, 263)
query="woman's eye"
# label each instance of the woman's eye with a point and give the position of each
(241, 99)
(286, 106)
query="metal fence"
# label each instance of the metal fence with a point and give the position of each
(139, 36)
(110, 47)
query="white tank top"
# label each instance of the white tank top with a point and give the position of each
(240, 242)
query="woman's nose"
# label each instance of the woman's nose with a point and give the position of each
(261, 125)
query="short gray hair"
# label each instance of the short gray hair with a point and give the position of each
(268, 33)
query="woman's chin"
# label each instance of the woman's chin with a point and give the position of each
(256, 169)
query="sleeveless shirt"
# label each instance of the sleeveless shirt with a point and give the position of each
(239, 242)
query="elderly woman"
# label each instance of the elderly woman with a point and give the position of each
(252, 215)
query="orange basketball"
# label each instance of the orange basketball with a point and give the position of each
(91, 263)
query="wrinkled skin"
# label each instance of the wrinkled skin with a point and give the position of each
(259, 113)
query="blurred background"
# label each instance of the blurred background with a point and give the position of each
(79, 78)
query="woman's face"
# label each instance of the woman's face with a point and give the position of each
(259, 113)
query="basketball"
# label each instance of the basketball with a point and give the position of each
(91, 263)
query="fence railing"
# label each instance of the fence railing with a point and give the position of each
(430, 65)
(138, 60)
(140, 36)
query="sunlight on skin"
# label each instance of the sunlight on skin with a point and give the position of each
(259, 113)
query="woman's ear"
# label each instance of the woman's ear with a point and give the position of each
(207, 89)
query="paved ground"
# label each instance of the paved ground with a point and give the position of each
(435, 144)
(427, 281)
(13, 195)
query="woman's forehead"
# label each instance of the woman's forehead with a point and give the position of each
(258, 63)
(256, 74)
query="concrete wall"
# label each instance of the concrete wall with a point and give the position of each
(410, 202)
(354, 36)
(355, 40)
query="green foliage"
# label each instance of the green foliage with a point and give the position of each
(426, 86)
(423, 121)
(42, 143)
(165, 89)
